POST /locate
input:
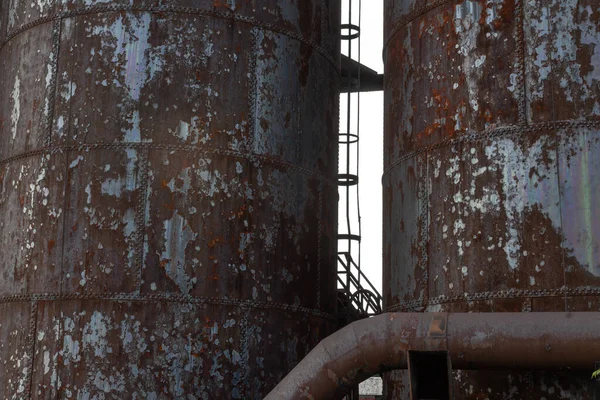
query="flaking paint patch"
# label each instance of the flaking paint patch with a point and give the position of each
(75, 162)
(68, 91)
(580, 191)
(407, 107)
(110, 383)
(16, 111)
(117, 186)
(129, 41)
(70, 350)
(516, 166)
(12, 12)
(466, 25)
(43, 4)
(60, 124)
(527, 178)
(46, 362)
(590, 36)
(182, 183)
(48, 79)
(177, 236)
(95, 334)
(541, 59)
(558, 30)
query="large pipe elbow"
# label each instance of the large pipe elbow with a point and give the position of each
(473, 341)
(350, 355)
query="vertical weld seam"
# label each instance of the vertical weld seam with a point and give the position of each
(324, 17)
(31, 347)
(319, 245)
(244, 349)
(520, 23)
(140, 216)
(56, 31)
(253, 89)
(298, 130)
(423, 211)
(65, 213)
(425, 201)
(68, 149)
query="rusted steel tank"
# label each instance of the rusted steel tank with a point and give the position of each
(491, 183)
(167, 195)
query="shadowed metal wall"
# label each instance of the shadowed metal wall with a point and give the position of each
(491, 183)
(167, 195)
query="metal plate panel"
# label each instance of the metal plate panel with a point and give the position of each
(222, 226)
(403, 280)
(497, 216)
(451, 82)
(296, 335)
(562, 42)
(148, 77)
(137, 350)
(512, 220)
(31, 224)
(580, 190)
(153, 125)
(103, 210)
(15, 350)
(25, 89)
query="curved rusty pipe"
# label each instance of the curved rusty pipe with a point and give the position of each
(546, 340)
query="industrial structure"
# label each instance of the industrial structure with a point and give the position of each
(492, 169)
(167, 195)
(169, 185)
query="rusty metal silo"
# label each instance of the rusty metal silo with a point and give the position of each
(491, 183)
(167, 195)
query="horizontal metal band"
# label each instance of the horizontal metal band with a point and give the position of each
(422, 8)
(350, 28)
(347, 180)
(348, 138)
(164, 297)
(511, 130)
(495, 295)
(173, 147)
(176, 10)
(348, 237)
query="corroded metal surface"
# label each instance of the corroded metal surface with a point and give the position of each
(167, 195)
(492, 121)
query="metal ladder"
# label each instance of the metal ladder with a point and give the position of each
(357, 297)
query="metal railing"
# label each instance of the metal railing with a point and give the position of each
(358, 290)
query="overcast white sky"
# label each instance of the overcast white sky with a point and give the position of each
(371, 138)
